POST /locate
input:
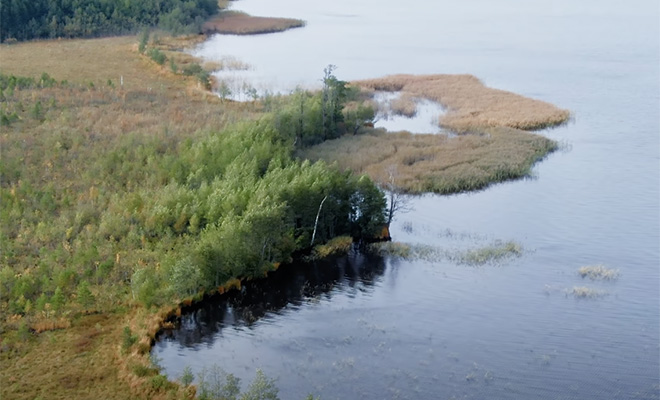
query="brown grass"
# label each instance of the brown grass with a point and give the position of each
(80, 357)
(236, 23)
(51, 324)
(82, 61)
(470, 104)
(437, 163)
(405, 105)
(76, 363)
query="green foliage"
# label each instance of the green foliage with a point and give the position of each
(84, 295)
(187, 376)
(41, 19)
(159, 382)
(144, 39)
(152, 218)
(261, 388)
(141, 370)
(23, 331)
(185, 278)
(157, 55)
(215, 384)
(58, 300)
(127, 339)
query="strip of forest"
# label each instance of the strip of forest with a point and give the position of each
(48, 19)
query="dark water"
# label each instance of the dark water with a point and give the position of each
(385, 328)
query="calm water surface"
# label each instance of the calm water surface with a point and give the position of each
(380, 328)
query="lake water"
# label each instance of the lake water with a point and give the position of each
(380, 328)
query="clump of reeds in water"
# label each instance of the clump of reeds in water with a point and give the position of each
(470, 104)
(392, 249)
(405, 106)
(583, 292)
(490, 254)
(598, 272)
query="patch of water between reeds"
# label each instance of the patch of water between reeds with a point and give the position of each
(415, 115)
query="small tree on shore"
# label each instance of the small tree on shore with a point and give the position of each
(396, 200)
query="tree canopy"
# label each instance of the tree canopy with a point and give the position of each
(42, 19)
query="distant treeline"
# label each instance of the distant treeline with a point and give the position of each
(42, 19)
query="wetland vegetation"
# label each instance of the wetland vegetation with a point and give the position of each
(128, 188)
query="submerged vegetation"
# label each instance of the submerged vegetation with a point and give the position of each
(598, 272)
(584, 292)
(494, 253)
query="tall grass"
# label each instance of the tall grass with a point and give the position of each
(470, 104)
(437, 163)
(490, 254)
(237, 23)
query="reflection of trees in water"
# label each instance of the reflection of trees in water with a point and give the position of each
(290, 285)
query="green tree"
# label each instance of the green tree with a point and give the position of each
(84, 295)
(58, 300)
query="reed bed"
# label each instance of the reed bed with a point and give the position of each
(471, 105)
(405, 105)
(490, 254)
(437, 163)
(237, 23)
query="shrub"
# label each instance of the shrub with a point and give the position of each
(157, 55)
(187, 377)
(127, 339)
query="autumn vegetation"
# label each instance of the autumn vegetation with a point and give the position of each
(239, 23)
(128, 188)
(131, 189)
(487, 137)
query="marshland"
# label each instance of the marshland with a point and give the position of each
(524, 261)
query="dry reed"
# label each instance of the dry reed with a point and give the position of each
(236, 23)
(437, 163)
(470, 104)
(404, 105)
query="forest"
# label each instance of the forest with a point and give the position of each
(233, 203)
(44, 19)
